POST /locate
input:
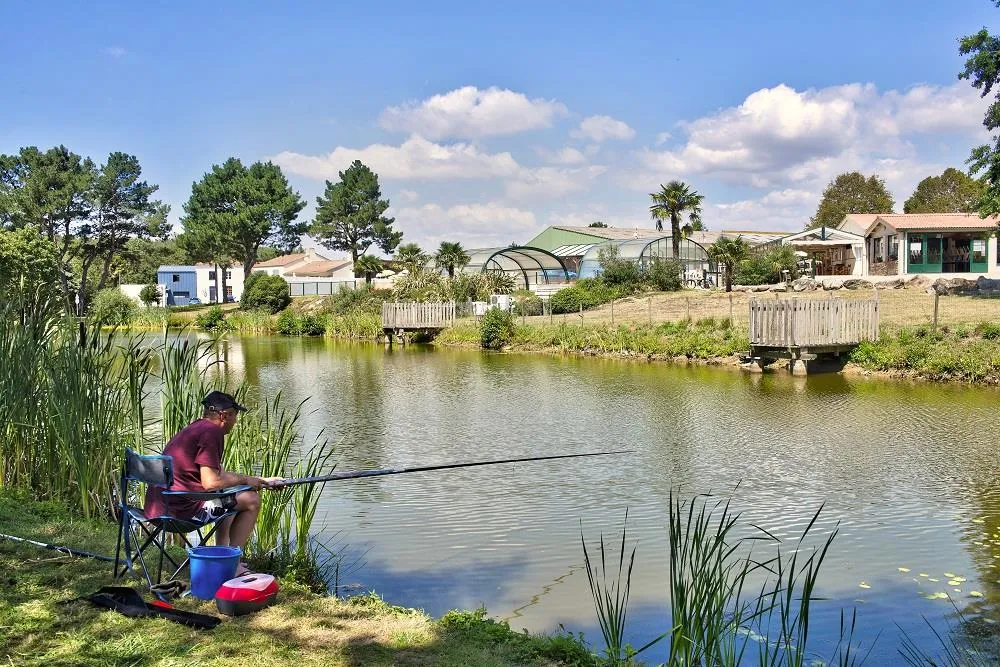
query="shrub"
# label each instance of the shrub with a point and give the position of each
(763, 268)
(615, 270)
(150, 294)
(288, 324)
(497, 329)
(586, 293)
(364, 298)
(527, 302)
(112, 308)
(664, 274)
(212, 319)
(263, 292)
(988, 330)
(312, 325)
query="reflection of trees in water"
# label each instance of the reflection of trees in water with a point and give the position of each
(977, 621)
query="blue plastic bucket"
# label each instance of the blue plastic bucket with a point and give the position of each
(211, 567)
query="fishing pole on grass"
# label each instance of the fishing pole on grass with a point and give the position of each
(378, 472)
(55, 547)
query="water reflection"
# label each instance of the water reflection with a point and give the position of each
(903, 469)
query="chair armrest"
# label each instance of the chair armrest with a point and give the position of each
(209, 495)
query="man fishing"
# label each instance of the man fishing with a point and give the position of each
(197, 456)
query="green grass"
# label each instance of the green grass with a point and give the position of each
(707, 339)
(301, 629)
(963, 352)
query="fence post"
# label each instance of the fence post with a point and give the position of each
(649, 305)
(937, 297)
(731, 309)
(581, 313)
(612, 312)
(687, 306)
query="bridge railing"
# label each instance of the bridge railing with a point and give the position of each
(812, 322)
(411, 315)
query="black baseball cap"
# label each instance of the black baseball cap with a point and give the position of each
(218, 401)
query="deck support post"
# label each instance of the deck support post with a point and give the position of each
(798, 367)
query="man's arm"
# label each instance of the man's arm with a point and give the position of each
(213, 479)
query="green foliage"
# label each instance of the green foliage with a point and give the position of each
(349, 214)
(851, 193)
(970, 354)
(235, 210)
(497, 329)
(451, 257)
(730, 253)
(150, 294)
(30, 274)
(586, 293)
(353, 300)
(290, 324)
(766, 267)
(982, 67)
(598, 224)
(112, 308)
(212, 319)
(368, 266)
(664, 274)
(264, 292)
(139, 260)
(951, 192)
(526, 303)
(150, 319)
(430, 286)
(411, 257)
(615, 270)
(673, 202)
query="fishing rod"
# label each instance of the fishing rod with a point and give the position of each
(55, 547)
(378, 472)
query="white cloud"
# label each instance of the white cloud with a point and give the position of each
(780, 137)
(415, 159)
(470, 113)
(663, 137)
(602, 128)
(409, 195)
(474, 225)
(566, 155)
(550, 182)
(115, 51)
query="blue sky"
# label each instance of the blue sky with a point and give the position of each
(489, 121)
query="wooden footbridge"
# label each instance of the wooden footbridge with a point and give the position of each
(802, 330)
(401, 318)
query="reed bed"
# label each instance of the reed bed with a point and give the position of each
(733, 586)
(73, 397)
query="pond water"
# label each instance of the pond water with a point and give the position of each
(908, 472)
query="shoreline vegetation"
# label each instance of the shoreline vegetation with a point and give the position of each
(964, 349)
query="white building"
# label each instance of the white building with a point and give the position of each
(200, 283)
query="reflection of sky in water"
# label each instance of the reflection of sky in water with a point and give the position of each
(903, 469)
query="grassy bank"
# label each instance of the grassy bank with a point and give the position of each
(959, 353)
(707, 339)
(302, 629)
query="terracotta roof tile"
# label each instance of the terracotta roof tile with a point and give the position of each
(322, 268)
(926, 221)
(284, 260)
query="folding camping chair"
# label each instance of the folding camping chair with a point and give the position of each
(137, 532)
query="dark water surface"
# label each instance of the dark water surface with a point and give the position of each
(909, 471)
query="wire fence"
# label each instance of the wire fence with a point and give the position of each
(897, 307)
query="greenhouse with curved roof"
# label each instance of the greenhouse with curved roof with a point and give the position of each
(533, 266)
(697, 267)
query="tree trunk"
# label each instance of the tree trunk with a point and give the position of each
(81, 295)
(247, 267)
(223, 295)
(105, 272)
(729, 278)
(675, 235)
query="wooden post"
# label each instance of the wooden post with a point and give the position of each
(612, 312)
(687, 306)
(937, 297)
(581, 313)
(549, 303)
(649, 305)
(731, 309)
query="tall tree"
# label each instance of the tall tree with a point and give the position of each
(851, 193)
(951, 192)
(349, 215)
(123, 209)
(729, 252)
(244, 208)
(368, 266)
(983, 68)
(49, 191)
(451, 256)
(673, 202)
(598, 224)
(411, 257)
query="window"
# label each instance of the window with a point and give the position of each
(916, 250)
(229, 274)
(933, 250)
(211, 275)
(893, 248)
(979, 251)
(176, 278)
(877, 253)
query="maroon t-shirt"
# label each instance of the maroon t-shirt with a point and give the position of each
(197, 444)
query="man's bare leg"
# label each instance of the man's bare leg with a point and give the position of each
(222, 532)
(247, 508)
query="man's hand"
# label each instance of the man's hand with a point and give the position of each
(273, 483)
(255, 482)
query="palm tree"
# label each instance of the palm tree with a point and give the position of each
(411, 257)
(729, 252)
(671, 203)
(451, 256)
(368, 266)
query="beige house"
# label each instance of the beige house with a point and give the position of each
(891, 244)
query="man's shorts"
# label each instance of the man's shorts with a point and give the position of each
(213, 509)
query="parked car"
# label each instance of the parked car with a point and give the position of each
(194, 301)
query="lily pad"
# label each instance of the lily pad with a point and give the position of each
(903, 569)
(863, 585)
(975, 594)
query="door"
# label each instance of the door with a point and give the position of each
(978, 260)
(211, 294)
